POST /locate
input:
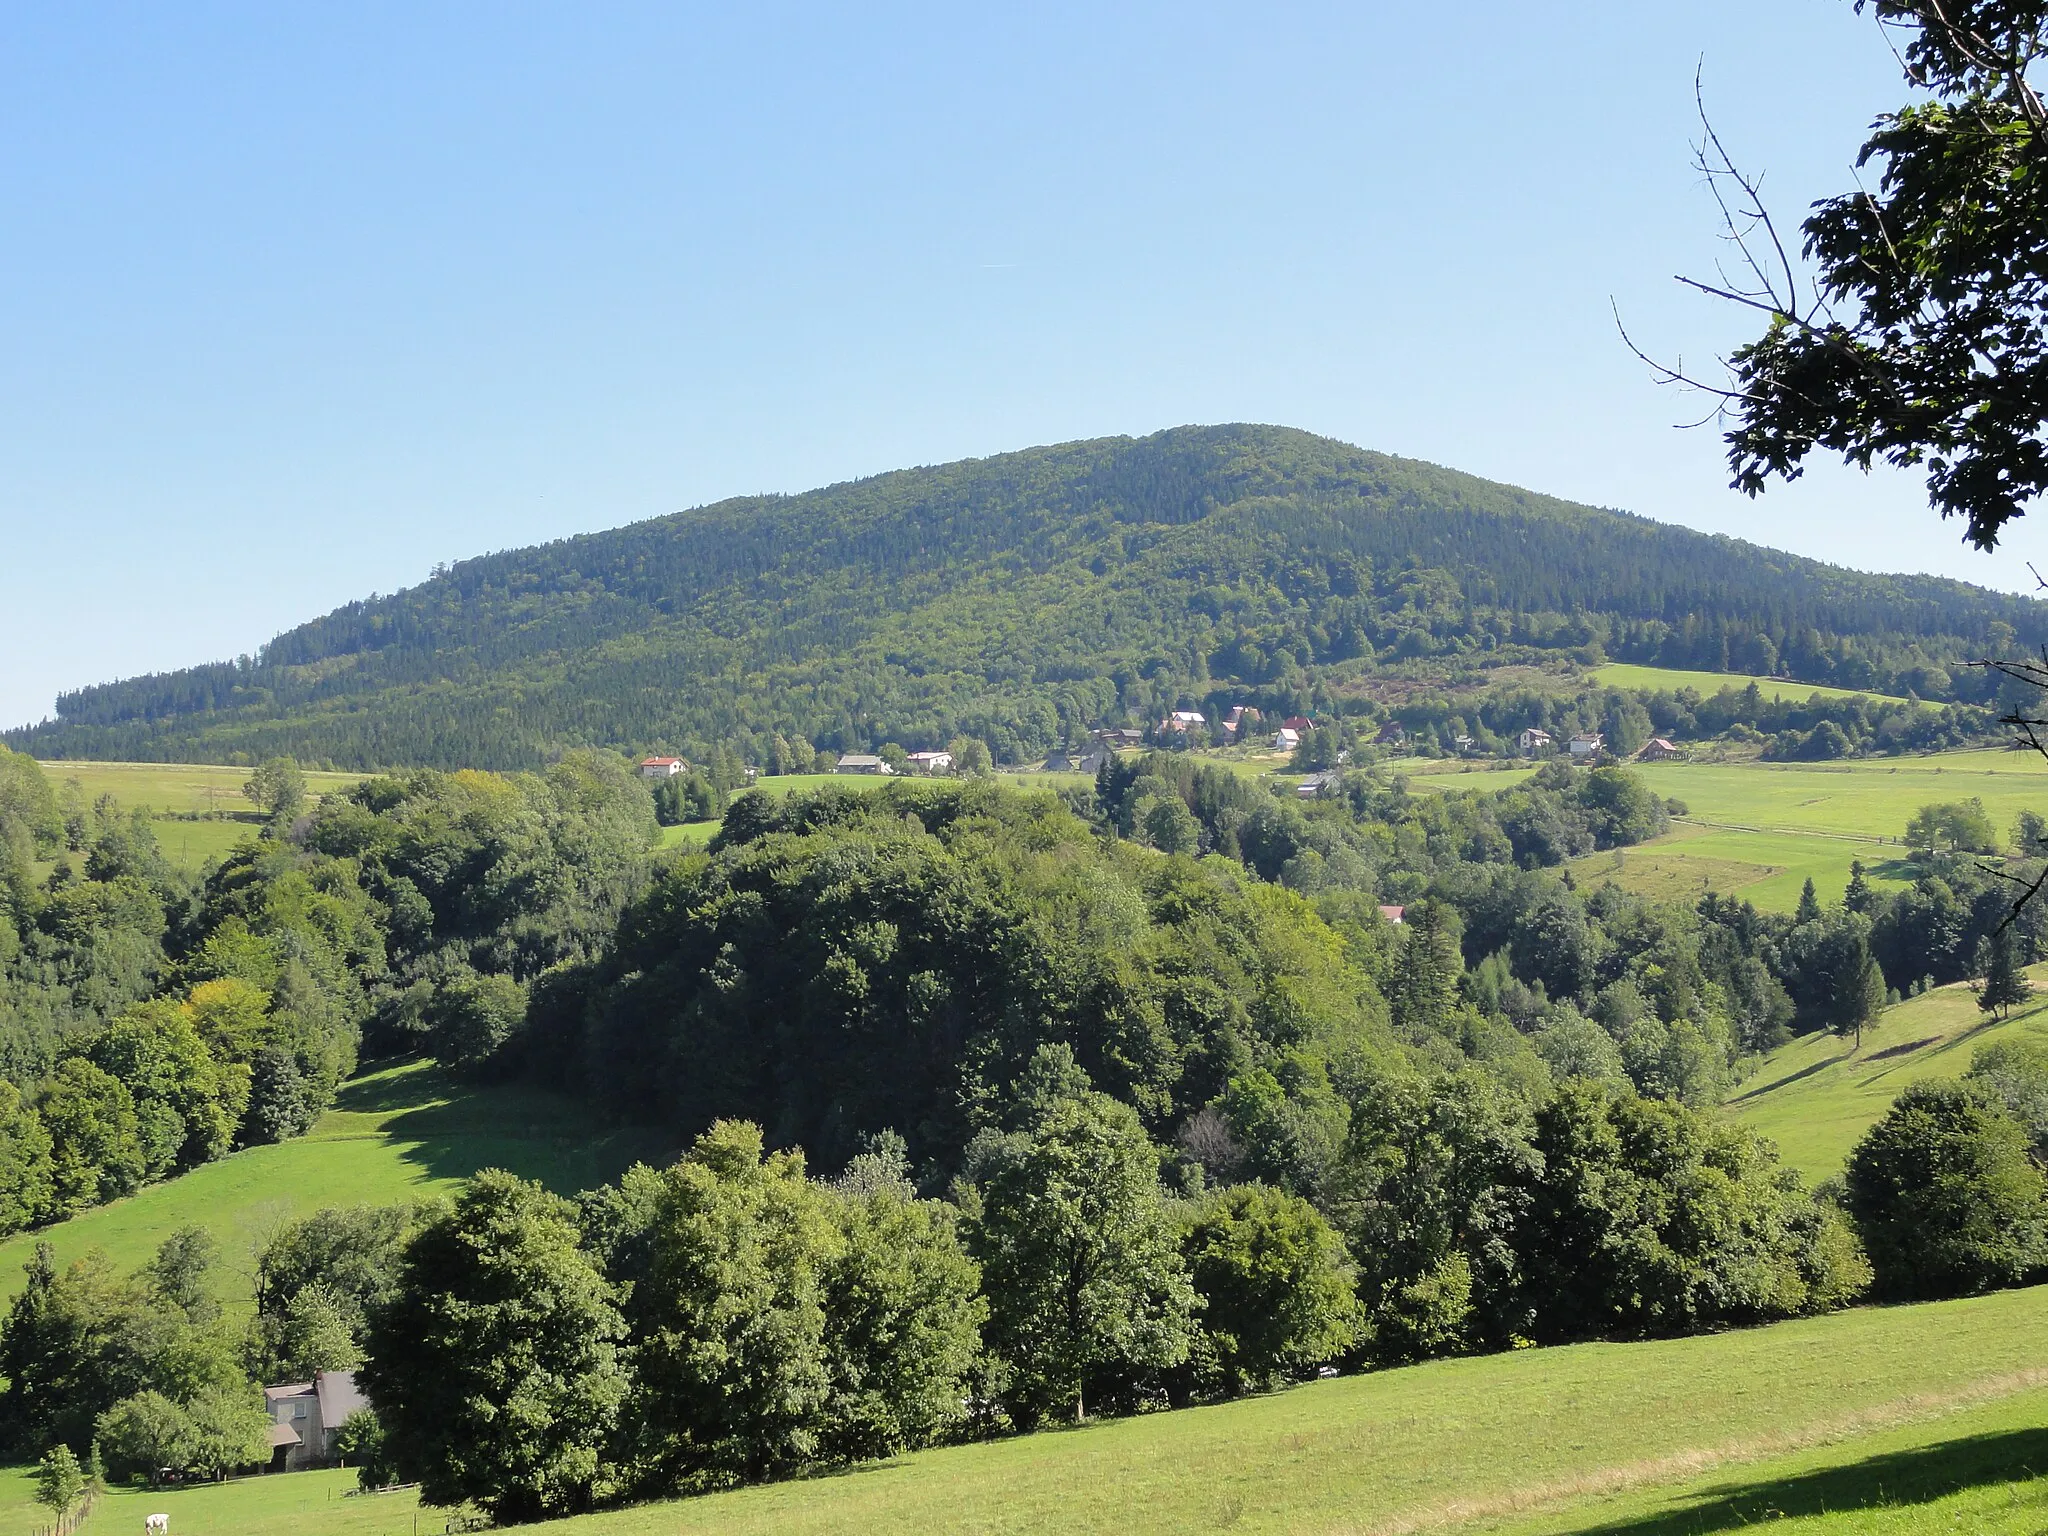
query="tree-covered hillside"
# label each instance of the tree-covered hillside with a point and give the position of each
(1022, 598)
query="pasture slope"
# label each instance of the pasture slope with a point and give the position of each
(1622, 674)
(1904, 1414)
(198, 810)
(1816, 1096)
(402, 1133)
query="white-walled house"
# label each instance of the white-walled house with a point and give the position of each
(660, 767)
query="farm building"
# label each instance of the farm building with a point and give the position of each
(1658, 750)
(1533, 740)
(305, 1416)
(931, 762)
(661, 767)
(1312, 786)
(1587, 744)
(862, 762)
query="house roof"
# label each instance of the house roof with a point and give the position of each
(1392, 914)
(291, 1389)
(339, 1397)
(659, 762)
(283, 1434)
(859, 759)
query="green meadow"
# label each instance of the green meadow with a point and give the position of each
(402, 1133)
(1817, 1095)
(1621, 674)
(1899, 1413)
(177, 792)
(1761, 830)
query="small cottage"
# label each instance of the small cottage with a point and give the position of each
(1659, 750)
(305, 1416)
(1533, 741)
(660, 767)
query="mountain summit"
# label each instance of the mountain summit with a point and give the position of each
(1022, 597)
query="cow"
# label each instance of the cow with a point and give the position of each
(157, 1525)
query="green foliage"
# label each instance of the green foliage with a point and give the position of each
(1945, 1196)
(903, 1317)
(849, 961)
(496, 1365)
(1927, 354)
(733, 1375)
(2005, 984)
(59, 1481)
(1077, 1248)
(1961, 826)
(1275, 1285)
(277, 788)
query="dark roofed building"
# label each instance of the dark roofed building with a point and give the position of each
(305, 1416)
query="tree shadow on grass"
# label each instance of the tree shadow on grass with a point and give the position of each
(451, 1129)
(1892, 1480)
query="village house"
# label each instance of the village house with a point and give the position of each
(305, 1417)
(1312, 786)
(1392, 914)
(862, 762)
(1183, 720)
(1286, 739)
(1533, 741)
(931, 762)
(1299, 723)
(661, 767)
(1587, 744)
(1658, 750)
(1392, 734)
(1112, 737)
(1240, 720)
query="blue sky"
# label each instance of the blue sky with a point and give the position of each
(296, 302)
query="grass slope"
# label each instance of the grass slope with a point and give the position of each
(1539, 1435)
(175, 791)
(1817, 1096)
(1621, 674)
(394, 1135)
(1763, 829)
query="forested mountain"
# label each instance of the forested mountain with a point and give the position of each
(1022, 598)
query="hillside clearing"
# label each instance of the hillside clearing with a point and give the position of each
(402, 1133)
(1816, 1096)
(1454, 1443)
(1622, 674)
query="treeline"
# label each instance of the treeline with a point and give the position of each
(1019, 601)
(151, 1022)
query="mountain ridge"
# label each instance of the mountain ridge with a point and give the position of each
(1019, 597)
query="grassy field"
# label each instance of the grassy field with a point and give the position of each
(1762, 829)
(1816, 1096)
(1591, 1437)
(394, 1135)
(1621, 674)
(177, 790)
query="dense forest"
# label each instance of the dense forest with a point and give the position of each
(1020, 600)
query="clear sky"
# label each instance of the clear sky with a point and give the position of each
(298, 301)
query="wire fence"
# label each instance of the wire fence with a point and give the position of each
(72, 1518)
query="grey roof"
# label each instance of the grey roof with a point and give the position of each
(284, 1434)
(339, 1397)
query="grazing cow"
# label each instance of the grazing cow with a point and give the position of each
(157, 1525)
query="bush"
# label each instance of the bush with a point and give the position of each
(1945, 1197)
